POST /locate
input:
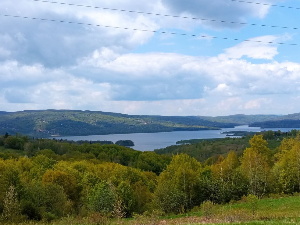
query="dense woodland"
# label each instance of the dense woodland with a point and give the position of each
(207, 151)
(277, 123)
(44, 123)
(45, 179)
(47, 123)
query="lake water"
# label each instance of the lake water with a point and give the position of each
(151, 141)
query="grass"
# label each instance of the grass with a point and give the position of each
(270, 211)
(263, 223)
(268, 207)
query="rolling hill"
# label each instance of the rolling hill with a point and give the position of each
(46, 123)
(286, 121)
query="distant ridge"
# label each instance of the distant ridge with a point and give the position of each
(242, 119)
(47, 123)
(51, 122)
(285, 121)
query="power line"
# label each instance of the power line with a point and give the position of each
(266, 4)
(144, 30)
(174, 16)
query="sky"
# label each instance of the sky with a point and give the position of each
(196, 63)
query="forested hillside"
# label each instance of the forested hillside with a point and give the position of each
(241, 119)
(208, 151)
(278, 124)
(46, 123)
(287, 121)
(67, 122)
(46, 179)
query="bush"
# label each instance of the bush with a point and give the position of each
(148, 218)
(252, 200)
(30, 211)
(208, 209)
(236, 215)
(196, 209)
(48, 216)
(99, 219)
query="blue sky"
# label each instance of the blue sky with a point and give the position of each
(52, 65)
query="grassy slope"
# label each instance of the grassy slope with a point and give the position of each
(282, 222)
(284, 210)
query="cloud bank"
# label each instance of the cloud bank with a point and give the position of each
(62, 66)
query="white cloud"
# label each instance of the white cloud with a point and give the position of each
(154, 83)
(57, 65)
(254, 49)
(256, 103)
(218, 10)
(56, 44)
(228, 104)
(220, 90)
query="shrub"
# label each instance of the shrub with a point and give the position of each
(236, 215)
(252, 200)
(208, 209)
(30, 211)
(147, 218)
(48, 216)
(99, 219)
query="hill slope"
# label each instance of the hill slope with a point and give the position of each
(45, 123)
(242, 119)
(287, 121)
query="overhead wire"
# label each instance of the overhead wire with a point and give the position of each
(173, 16)
(265, 4)
(145, 30)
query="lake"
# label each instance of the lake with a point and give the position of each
(151, 141)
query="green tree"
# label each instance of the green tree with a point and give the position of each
(294, 132)
(259, 145)
(226, 180)
(41, 164)
(102, 198)
(177, 189)
(268, 135)
(11, 212)
(255, 165)
(65, 180)
(143, 197)
(14, 142)
(287, 168)
(126, 195)
(54, 200)
(33, 200)
(150, 161)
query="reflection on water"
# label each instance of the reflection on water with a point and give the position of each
(151, 141)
